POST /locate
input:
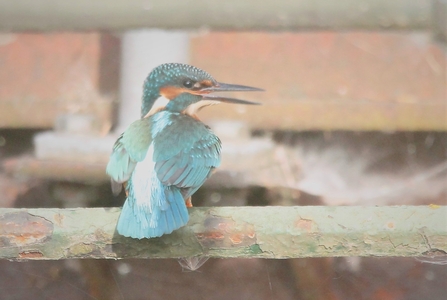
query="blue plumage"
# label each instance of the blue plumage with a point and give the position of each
(171, 169)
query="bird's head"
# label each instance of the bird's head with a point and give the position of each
(183, 87)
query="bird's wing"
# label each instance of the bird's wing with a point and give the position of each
(130, 148)
(186, 154)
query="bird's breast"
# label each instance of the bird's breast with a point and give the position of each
(194, 108)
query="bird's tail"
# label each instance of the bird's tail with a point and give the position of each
(162, 211)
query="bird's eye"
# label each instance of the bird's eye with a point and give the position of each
(188, 83)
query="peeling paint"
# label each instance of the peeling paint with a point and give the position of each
(255, 249)
(58, 219)
(435, 253)
(81, 249)
(434, 206)
(101, 235)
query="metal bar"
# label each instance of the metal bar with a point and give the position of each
(265, 232)
(221, 15)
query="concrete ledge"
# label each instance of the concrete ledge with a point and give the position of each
(61, 146)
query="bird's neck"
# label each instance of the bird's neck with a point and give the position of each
(182, 102)
(179, 104)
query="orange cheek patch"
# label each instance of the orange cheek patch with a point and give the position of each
(170, 92)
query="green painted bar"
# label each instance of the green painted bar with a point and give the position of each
(226, 232)
(50, 15)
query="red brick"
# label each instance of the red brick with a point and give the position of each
(43, 75)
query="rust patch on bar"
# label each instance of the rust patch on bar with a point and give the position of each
(222, 232)
(390, 225)
(306, 225)
(237, 238)
(22, 229)
(31, 254)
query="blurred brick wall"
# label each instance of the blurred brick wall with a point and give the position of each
(330, 80)
(313, 80)
(44, 75)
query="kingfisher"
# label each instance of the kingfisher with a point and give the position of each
(163, 158)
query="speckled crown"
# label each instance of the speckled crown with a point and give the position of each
(172, 73)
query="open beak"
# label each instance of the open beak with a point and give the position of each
(224, 87)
